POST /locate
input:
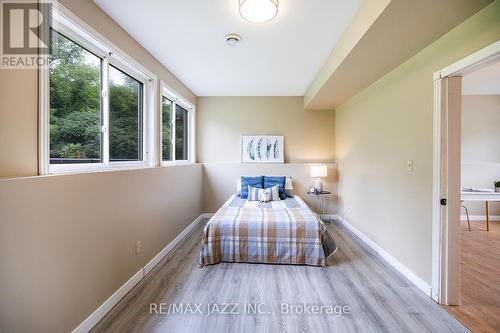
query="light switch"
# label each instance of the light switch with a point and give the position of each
(409, 166)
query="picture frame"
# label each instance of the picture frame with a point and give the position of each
(262, 149)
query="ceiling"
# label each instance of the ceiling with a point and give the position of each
(278, 58)
(483, 81)
(377, 46)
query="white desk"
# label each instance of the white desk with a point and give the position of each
(482, 196)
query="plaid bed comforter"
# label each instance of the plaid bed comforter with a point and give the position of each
(265, 235)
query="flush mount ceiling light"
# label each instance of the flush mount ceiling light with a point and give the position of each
(258, 11)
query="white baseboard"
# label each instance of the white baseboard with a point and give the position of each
(493, 218)
(152, 264)
(416, 280)
(105, 307)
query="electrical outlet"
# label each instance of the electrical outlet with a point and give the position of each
(410, 166)
(137, 247)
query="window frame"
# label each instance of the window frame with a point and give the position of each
(177, 99)
(66, 23)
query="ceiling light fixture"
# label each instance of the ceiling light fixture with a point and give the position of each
(258, 11)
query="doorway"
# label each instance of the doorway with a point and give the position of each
(448, 183)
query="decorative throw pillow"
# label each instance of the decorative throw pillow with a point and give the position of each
(263, 195)
(270, 194)
(253, 193)
(273, 181)
(250, 181)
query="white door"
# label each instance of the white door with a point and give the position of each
(450, 124)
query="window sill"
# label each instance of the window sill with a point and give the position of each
(69, 169)
(176, 163)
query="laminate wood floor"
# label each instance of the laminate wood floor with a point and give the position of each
(479, 278)
(378, 298)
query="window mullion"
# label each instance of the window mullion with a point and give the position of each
(172, 132)
(188, 134)
(105, 111)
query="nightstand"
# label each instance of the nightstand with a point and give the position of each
(324, 201)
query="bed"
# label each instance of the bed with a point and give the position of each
(276, 232)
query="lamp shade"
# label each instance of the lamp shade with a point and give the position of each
(318, 171)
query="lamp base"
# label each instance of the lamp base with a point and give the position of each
(318, 185)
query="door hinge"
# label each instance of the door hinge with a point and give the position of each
(444, 202)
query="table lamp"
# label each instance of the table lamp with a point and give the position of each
(318, 172)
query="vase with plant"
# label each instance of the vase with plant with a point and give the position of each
(497, 186)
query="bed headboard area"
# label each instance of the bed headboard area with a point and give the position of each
(219, 181)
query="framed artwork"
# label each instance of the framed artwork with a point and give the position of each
(262, 149)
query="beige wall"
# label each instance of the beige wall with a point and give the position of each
(222, 120)
(219, 181)
(67, 242)
(481, 146)
(389, 123)
(18, 123)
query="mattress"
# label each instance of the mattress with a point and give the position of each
(278, 232)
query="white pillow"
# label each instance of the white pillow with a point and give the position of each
(289, 187)
(264, 195)
(238, 186)
(270, 194)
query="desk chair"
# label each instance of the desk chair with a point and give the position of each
(466, 213)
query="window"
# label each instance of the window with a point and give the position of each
(181, 133)
(97, 105)
(177, 118)
(75, 105)
(125, 117)
(166, 121)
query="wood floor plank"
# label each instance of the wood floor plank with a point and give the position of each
(479, 278)
(379, 298)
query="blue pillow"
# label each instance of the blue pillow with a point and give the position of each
(252, 181)
(273, 181)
